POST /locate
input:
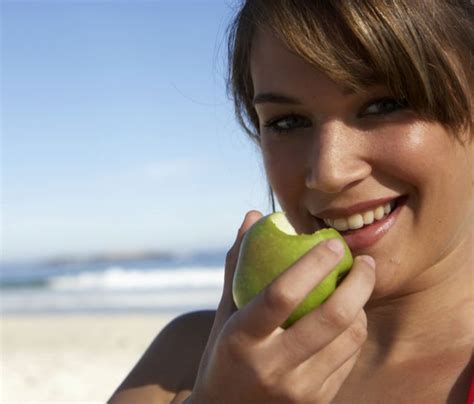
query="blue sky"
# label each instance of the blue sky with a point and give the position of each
(117, 133)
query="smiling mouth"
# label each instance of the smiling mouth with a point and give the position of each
(361, 220)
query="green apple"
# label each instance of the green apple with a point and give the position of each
(272, 245)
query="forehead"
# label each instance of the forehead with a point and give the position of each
(276, 68)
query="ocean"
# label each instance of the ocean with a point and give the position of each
(171, 285)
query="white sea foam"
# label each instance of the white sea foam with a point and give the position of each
(118, 278)
(120, 289)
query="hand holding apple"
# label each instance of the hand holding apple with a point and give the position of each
(249, 359)
(269, 247)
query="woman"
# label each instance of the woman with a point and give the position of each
(354, 104)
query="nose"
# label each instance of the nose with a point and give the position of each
(338, 158)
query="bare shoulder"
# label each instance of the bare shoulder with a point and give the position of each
(171, 362)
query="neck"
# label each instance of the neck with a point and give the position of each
(433, 317)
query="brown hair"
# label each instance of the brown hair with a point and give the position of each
(422, 50)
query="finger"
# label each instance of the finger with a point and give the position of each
(333, 383)
(274, 304)
(338, 352)
(226, 305)
(318, 328)
(336, 359)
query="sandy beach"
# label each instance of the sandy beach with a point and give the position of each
(71, 358)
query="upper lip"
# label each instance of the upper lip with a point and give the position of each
(335, 213)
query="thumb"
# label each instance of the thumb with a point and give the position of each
(226, 305)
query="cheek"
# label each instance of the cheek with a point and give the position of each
(285, 169)
(448, 199)
(424, 161)
(435, 171)
(406, 156)
(284, 163)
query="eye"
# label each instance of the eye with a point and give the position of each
(383, 106)
(286, 124)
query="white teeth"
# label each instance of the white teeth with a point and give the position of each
(379, 213)
(340, 224)
(368, 217)
(359, 220)
(355, 221)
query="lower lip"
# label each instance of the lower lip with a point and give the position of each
(367, 236)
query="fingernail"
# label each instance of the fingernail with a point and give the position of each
(243, 222)
(335, 245)
(241, 228)
(368, 259)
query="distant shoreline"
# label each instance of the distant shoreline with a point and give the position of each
(103, 258)
(110, 257)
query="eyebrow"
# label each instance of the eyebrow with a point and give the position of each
(285, 99)
(274, 98)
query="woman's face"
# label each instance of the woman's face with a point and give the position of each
(333, 154)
